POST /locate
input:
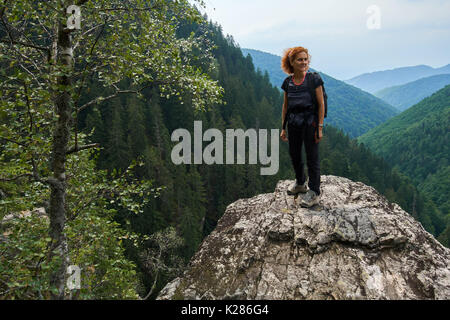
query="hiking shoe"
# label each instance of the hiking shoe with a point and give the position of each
(297, 188)
(311, 198)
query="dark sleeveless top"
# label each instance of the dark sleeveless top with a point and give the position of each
(301, 108)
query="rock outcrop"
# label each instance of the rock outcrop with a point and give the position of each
(353, 245)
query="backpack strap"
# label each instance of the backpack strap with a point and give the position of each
(312, 91)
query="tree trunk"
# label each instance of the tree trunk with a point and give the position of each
(60, 141)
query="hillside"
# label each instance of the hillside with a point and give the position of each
(127, 216)
(376, 81)
(404, 96)
(417, 142)
(349, 108)
(194, 197)
(265, 61)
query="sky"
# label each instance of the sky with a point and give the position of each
(345, 38)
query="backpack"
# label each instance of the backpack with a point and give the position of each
(312, 92)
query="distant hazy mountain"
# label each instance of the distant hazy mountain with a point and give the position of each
(404, 96)
(376, 81)
(418, 142)
(267, 61)
(349, 108)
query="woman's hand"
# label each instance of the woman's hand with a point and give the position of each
(283, 135)
(318, 136)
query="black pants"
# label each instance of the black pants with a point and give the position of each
(296, 137)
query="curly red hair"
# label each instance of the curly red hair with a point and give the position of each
(289, 55)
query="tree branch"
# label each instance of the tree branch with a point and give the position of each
(156, 6)
(103, 99)
(26, 45)
(83, 80)
(156, 276)
(14, 41)
(19, 143)
(28, 108)
(50, 180)
(17, 177)
(79, 148)
(31, 73)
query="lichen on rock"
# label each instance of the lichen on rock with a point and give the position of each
(353, 245)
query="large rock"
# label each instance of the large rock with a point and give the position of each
(353, 245)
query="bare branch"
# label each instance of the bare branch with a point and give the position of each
(156, 276)
(16, 142)
(103, 99)
(17, 177)
(2, 19)
(49, 5)
(34, 176)
(79, 148)
(85, 33)
(83, 80)
(28, 108)
(26, 45)
(156, 6)
(31, 74)
(85, 67)
(45, 29)
(13, 41)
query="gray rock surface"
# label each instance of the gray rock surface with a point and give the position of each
(353, 245)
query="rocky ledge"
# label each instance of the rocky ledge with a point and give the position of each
(353, 245)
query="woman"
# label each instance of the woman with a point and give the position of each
(304, 115)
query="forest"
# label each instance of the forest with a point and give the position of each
(416, 141)
(404, 96)
(119, 208)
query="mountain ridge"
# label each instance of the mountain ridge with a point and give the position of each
(378, 80)
(404, 96)
(349, 108)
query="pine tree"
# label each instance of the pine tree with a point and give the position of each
(136, 137)
(117, 150)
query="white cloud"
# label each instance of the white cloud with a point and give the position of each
(412, 32)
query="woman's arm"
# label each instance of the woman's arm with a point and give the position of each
(283, 115)
(319, 95)
(283, 112)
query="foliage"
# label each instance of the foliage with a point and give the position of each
(124, 47)
(160, 258)
(194, 197)
(134, 218)
(94, 239)
(417, 142)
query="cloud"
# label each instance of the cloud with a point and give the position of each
(411, 31)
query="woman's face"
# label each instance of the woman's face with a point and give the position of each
(301, 62)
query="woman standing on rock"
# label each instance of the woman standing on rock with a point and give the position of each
(304, 115)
